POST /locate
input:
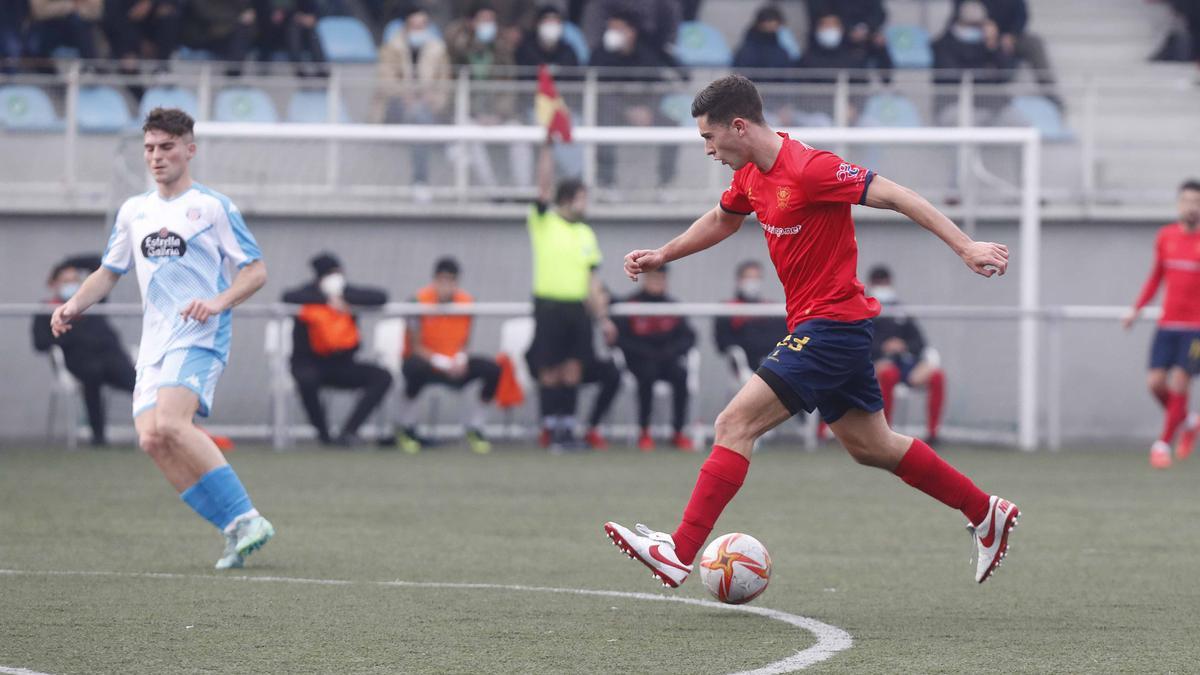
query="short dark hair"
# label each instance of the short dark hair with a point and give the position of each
(880, 273)
(171, 121)
(567, 189)
(446, 265)
(1190, 184)
(730, 97)
(747, 265)
(478, 7)
(768, 13)
(545, 11)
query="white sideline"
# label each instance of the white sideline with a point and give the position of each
(830, 639)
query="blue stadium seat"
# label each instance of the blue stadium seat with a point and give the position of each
(102, 110)
(395, 25)
(345, 39)
(909, 46)
(889, 110)
(702, 45)
(244, 104)
(573, 36)
(1041, 113)
(312, 107)
(168, 97)
(27, 108)
(677, 108)
(787, 40)
(189, 54)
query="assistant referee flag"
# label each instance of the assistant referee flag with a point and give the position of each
(552, 113)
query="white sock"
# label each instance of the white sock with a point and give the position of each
(252, 513)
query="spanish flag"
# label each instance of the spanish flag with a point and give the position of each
(551, 112)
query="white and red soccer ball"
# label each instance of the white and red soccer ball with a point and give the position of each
(735, 568)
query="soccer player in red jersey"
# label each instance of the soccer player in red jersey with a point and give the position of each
(802, 199)
(1175, 352)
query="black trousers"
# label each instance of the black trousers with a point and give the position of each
(112, 368)
(608, 376)
(649, 371)
(312, 376)
(419, 372)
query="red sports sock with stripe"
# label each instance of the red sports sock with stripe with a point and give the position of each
(1175, 415)
(720, 477)
(923, 469)
(935, 397)
(889, 377)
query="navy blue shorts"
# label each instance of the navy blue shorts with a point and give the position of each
(824, 365)
(906, 364)
(1176, 348)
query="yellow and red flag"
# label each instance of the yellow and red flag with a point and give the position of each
(552, 112)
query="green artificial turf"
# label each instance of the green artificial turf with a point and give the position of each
(1102, 577)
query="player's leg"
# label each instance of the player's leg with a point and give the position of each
(91, 381)
(1191, 427)
(372, 381)
(608, 377)
(308, 377)
(487, 372)
(754, 410)
(677, 376)
(1163, 351)
(577, 345)
(645, 373)
(933, 379)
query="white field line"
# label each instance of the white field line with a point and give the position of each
(830, 639)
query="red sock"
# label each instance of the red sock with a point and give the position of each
(923, 469)
(935, 397)
(1163, 396)
(1176, 414)
(889, 377)
(720, 477)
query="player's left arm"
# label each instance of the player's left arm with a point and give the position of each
(983, 257)
(251, 277)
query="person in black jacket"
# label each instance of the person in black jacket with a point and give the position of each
(324, 341)
(1016, 42)
(863, 22)
(760, 47)
(92, 350)
(545, 43)
(899, 352)
(656, 348)
(755, 335)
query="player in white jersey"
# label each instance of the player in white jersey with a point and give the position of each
(195, 260)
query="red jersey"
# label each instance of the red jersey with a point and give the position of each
(1176, 258)
(803, 203)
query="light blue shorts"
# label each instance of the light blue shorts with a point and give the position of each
(194, 368)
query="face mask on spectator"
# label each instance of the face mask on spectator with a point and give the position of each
(829, 38)
(969, 34)
(549, 32)
(333, 285)
(418, 38)
(65, 291)
(614, 40)
(886, 295)
(486, 32)
(750, 289)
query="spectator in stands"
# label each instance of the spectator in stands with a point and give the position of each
(971, 42)
(753, 336)
(831, 50)
(63, 23)
(1016, 42)
(477, 43)
(508, 12)
(92, 350)
(289, 26)
(12, 34)
(655, 21)
(625, 58)
(324, 342)
(1182, 42)
(545, 43)
(656, 349)
(223, 27)
(142, 27)
(899, 352)
(435, 352)
(863, 22)
(415, 83)
(761, 48)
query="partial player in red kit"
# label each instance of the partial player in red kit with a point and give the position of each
(1175, 352)
(802, 199)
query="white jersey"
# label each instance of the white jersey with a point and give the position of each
(185, 249)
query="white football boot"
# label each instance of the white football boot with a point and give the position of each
(230, 558)
(655, 550)
(991, 536)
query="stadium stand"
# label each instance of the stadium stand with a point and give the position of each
(168, 97)
(345, 39)
(244, 104)
(312, 106)
(701, 45)
(103, 110)
(27, 108)
(909, 46)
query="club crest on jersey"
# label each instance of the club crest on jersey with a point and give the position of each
(847, 171)
(783, 195)
(193, 213)
(163, 244)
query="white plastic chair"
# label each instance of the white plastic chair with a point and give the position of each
(516, 336)
(903, 394)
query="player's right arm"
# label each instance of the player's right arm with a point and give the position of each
(708, 230)
(98, 284)
(545, 172)
(1148, 289)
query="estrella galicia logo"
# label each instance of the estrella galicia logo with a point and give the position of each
(163, 244)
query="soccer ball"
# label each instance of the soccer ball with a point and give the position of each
(735, 568)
